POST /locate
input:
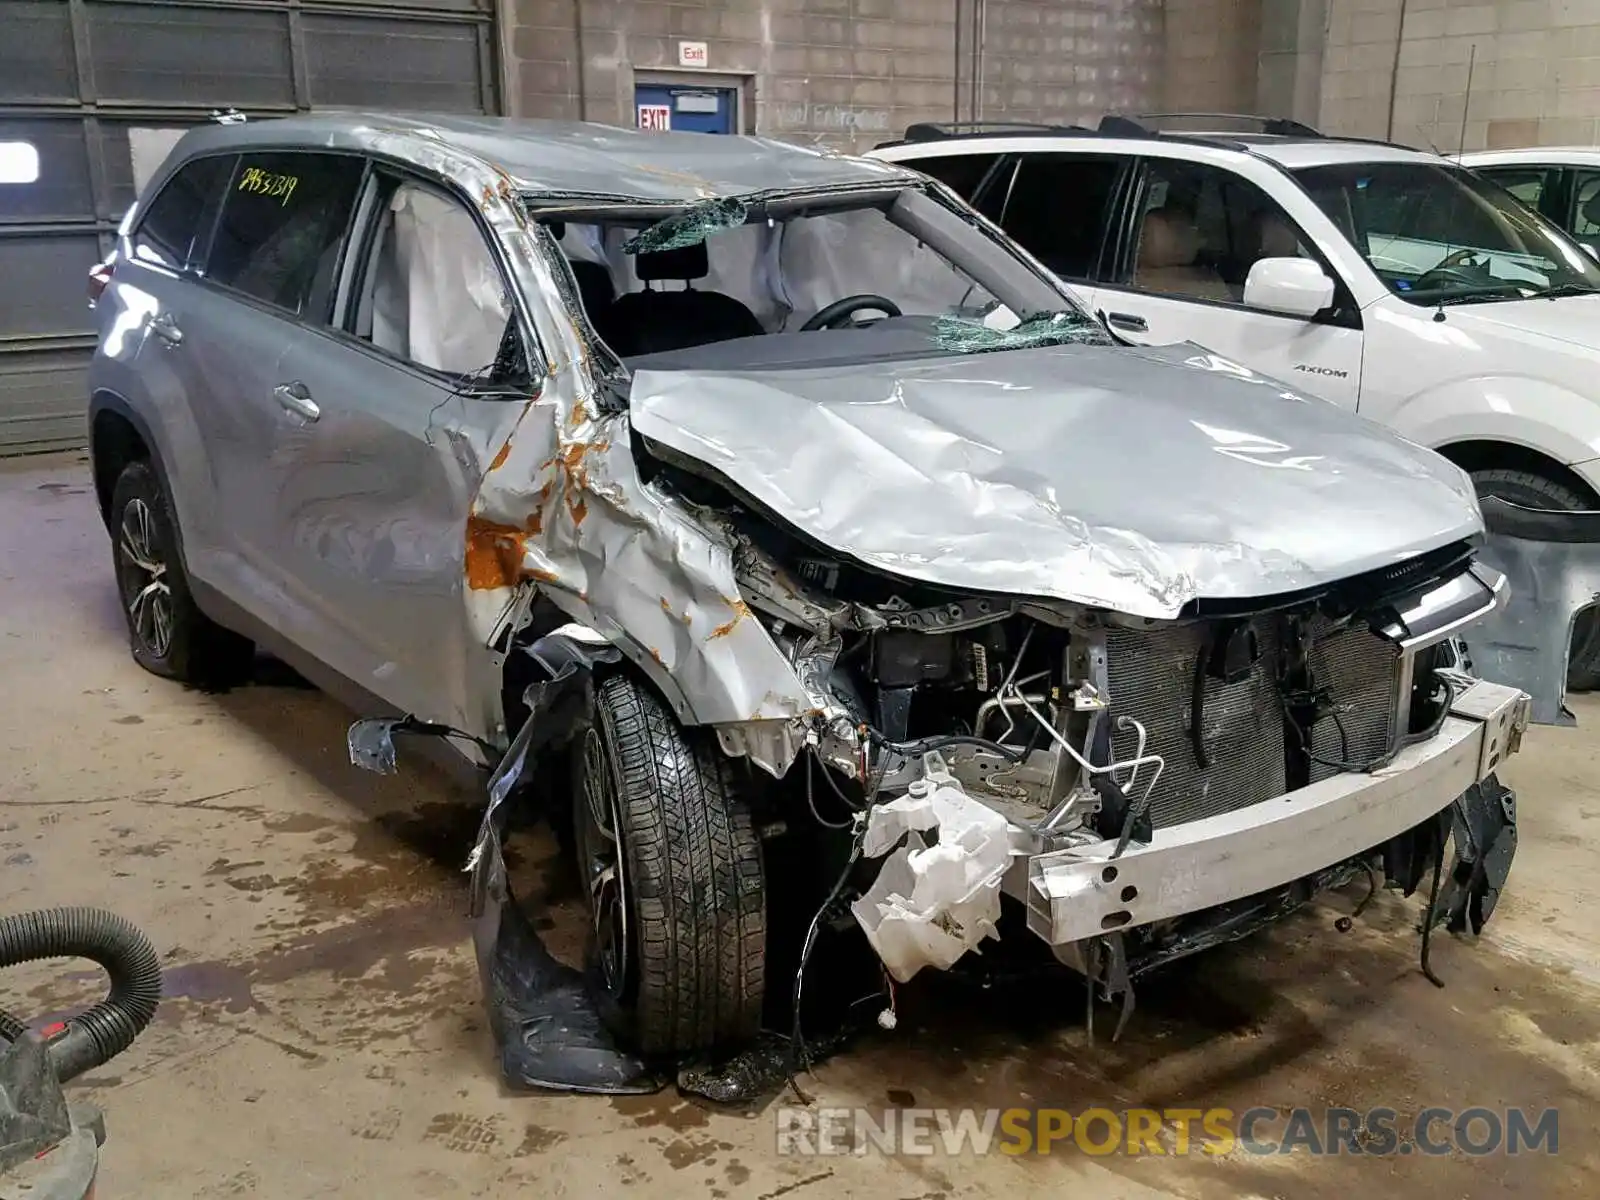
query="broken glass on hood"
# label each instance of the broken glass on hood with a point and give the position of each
(966, 335)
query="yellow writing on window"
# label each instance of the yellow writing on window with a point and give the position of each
(265, 183)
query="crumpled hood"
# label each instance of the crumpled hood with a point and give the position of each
(1134, 480)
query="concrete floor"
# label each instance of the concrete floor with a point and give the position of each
(323, 1031)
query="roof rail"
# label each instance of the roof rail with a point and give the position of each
(1271, 126)
(929, 131)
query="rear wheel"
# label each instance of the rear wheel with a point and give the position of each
(167, 632)
(1532, 490)
(671, 870)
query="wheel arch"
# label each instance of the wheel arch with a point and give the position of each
(1482, 454)
(118, 435)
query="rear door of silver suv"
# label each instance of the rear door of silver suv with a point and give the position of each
(148, 318)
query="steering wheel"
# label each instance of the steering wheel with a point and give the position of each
(1450, 267)
(834, 315)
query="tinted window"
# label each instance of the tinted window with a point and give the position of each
(1058, 208)
(961, 173)
(282, 225)
(1201, 230)
(181, 213)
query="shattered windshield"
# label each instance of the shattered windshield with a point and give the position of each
(901, 264)
(1438, 234)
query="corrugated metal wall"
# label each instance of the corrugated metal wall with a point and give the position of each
(77, 77)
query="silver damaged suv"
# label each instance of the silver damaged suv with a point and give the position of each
(762, 496)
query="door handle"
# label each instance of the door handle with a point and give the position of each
(165, 328)
(1129, 321)
(297, 399)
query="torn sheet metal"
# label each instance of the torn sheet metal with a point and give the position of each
(546, 1023)
(555, 704)
(371, 741)
(1049, 472)
(1552, 565)
(934, 899)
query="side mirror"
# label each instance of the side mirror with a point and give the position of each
(1297, 287)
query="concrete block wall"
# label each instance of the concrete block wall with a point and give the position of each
(1071, 60)
(847, 73)
(1535, 71)
(1212, 48)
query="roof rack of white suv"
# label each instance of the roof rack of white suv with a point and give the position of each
(1152, 124)
(928, 131)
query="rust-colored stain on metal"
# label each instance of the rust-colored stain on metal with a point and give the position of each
(656, 654)
(494, 554)
(500, 455)
(741, 610)
(579, 414)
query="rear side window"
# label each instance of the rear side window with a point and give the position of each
(1058, 209)
(282, 227)
(180, 215)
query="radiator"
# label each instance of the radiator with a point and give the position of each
(1361, 673)
(1151, 674)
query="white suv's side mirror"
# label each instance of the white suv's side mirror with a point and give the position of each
(1297, 287)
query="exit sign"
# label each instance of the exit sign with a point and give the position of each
(693, 54)
(657, 118)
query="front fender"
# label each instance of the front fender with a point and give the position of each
(1554, 421)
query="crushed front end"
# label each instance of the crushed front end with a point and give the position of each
(1158, 786)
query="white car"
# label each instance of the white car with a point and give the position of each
(1562, 183)
(1385, 279)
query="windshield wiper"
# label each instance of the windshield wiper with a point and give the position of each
(1488, 291)
(1568, 289)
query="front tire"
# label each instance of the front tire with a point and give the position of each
(1532, 490)
(167, 633)
(671, 870)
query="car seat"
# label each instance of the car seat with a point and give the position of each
(652, 321)
(1276, 238)
(595, 288)
(1169, 243)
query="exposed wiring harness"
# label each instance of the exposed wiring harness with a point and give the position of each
(811, 800)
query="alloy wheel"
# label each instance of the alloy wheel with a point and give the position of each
(146, 592)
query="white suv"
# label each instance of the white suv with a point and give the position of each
(1562, 183)
(1384, 279)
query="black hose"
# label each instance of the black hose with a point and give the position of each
(106, 1030)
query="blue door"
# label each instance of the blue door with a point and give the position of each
(660, 107)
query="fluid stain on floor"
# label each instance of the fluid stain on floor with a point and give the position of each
(1299, 1017)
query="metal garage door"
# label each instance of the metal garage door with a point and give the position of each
(92, 90)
